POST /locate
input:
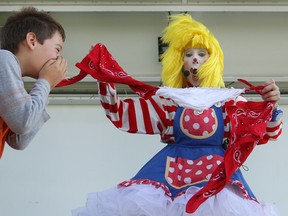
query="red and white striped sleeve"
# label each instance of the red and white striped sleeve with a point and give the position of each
(154, 115)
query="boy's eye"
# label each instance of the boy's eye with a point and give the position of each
(188, 54)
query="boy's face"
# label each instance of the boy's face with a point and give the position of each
(50, 49)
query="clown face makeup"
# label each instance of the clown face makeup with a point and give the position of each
(193, 59)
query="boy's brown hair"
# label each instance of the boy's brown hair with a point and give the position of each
(28, 20)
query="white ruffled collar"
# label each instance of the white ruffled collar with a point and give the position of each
(199, 98)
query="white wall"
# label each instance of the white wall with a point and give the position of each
(79, 151)
(254, 44)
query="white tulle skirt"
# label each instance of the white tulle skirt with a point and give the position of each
(146, 200)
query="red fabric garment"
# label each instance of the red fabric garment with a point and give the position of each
(248, 127)
(72, 80)
(3, 134)
(101, 65)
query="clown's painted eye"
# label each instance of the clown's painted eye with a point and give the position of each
(202, 54)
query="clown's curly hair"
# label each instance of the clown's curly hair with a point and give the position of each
(182, 33)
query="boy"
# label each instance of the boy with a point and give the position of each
(31, 42)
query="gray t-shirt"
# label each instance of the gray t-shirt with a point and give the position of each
(23, 112)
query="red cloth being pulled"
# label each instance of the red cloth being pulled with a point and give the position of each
(101, 65)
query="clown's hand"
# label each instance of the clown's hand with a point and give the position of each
(271, 91)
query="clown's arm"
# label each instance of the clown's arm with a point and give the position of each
(138, 115)
(274, 127)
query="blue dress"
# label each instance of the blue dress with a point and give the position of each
(197, 151)
(167, 182)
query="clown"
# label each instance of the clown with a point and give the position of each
(192, 174)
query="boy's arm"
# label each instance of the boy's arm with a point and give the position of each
(22, 112)
(21, 141)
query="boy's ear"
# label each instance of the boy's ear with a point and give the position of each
(31, 40)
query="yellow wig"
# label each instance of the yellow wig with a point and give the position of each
(184, 33)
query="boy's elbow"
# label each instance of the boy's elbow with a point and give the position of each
(17, 145)
(17, 142)
(20, 129)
